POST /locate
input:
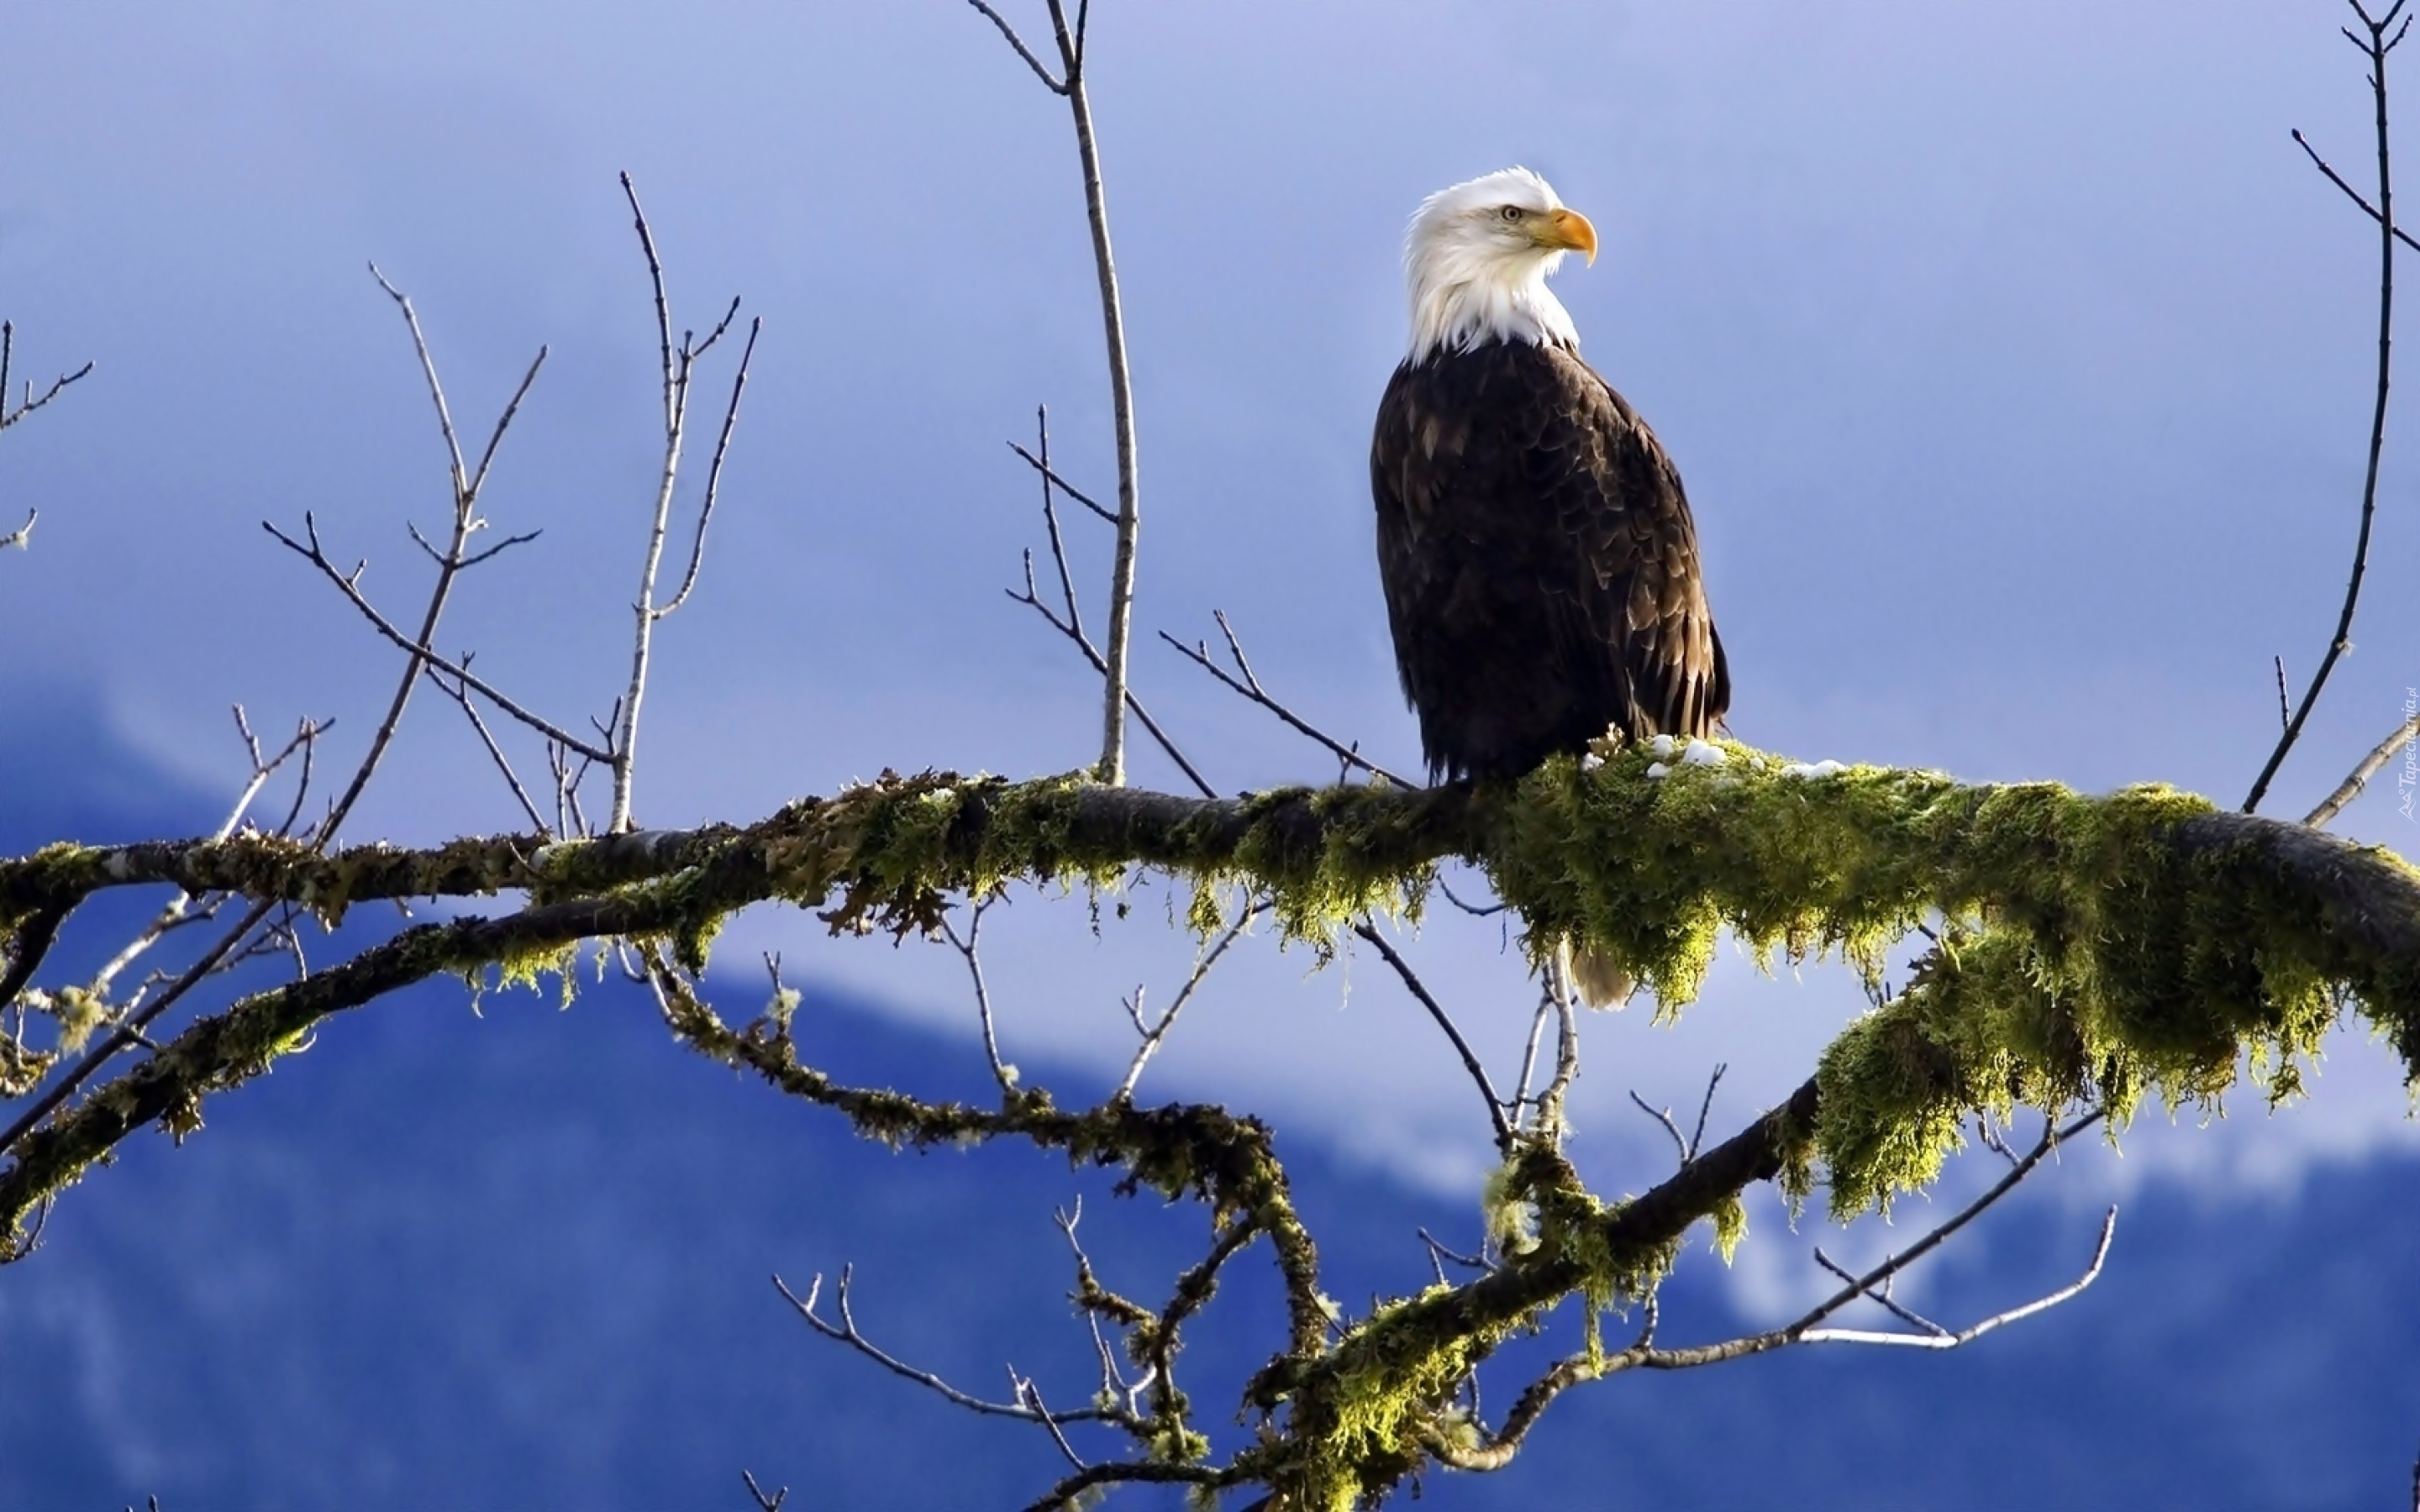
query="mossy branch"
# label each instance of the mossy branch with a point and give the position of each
(2088, 946)
(2121, 943)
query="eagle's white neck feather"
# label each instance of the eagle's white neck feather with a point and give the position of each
(1472, 281)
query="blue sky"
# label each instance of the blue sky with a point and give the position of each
(2017, 362)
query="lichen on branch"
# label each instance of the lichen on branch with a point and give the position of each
(2117, 944)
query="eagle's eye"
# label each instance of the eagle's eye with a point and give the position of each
(1512, 212)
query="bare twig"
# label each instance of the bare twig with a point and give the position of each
(1069, 84)
(1499, 1449)
(1056, 86)
(2378, 46)
(2351, 193)
(1029, 1395)
(1070, 1491)
(460, 693)
(1042, 465)
(1882, 1297)
(1075, 633)
(451, 563)
(27, 404)
(1805, 1331)
(1941, 1339)
(306, 736)
(678, 367)
(1249, 685)
(1439, 1254)
(846, 1331)
(714, 470)
(1474, 910)
(1706, 1106)
(423, 656)
(2368, 767)
(1444, 1021)
(1050, 528)
(1537, 1032)
(1000, 1071)
(1548, 1105)
(1663, 1117)
(1154, 1034)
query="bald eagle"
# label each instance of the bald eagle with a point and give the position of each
(1539, 560)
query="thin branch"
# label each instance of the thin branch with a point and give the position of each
(2377, 47)
(1055, 86)
(2350, 193)
(1529, 1056)
(1444, 1021)
(1499, 1449)
(1091, 653)
(1804, 1330)
(714, 470)
(1070, 1491)
(1113, 332)
(1474, 910)
(1042, 465)
(1943, 1339)
(1439, 1253)
(1882, 1297)
(1548, 1122)
(450, 565)
(846, 1331)
(436, 388)
(625, 740)
(1158, 1032)
(1000, 1071)
(2404, 734)
(128, 1031)
(423, 656)
(1031, 1395)
(1663, 1117)
(1050, 527)
(1070, 86)
(1706, 1106)
(1250, 686)
(305, 738)
(460, 694)
(10, 415)
(504, 423)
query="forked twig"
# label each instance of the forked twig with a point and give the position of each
(2377, 47)
(27, 403)
(1002, 1073)
(1069, 84)
(846, 1331)
(1498, 1450)
(1154, 1034)
(1249, 685)
(1470, 1062)
(678, 364)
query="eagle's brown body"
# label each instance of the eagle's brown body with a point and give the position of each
(1539, 560)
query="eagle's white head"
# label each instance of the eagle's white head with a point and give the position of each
(1477, 258)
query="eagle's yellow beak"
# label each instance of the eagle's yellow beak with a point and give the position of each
(1570, 230)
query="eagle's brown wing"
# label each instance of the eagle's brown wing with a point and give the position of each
(1539, 560)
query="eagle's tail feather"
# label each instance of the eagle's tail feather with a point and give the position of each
(1601, 981)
